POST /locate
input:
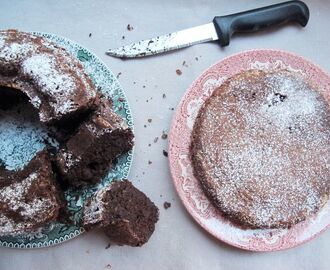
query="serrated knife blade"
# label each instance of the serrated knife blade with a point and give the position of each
(165, 43)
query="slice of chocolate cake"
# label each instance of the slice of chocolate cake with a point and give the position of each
(90, 151)
(54, 81)
(29, 198)
(126, 215)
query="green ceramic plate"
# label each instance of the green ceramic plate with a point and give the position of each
(22, 136)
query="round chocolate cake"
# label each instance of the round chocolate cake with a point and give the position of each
(260, 149)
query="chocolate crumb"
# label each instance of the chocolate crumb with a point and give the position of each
(87, 251)
(149, 120)
(143, 86)
(149, 144)
(156, 140)
(167, 205)
(108, 246)
(108, 266)
(145, 126)
(90, 35)
(196, 58)
(164, 96)
(123, 37)
(143, 173)
(134, 82)
(172, 109)
(118, 75)
(178, 72)
(129, 27)
(164, 136)
(149, 162)
(165, 153)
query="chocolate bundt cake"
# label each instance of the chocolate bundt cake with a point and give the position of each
(89, 152)
(126, 215)
(91, 136)
(260, 149)
(54, 81)
(29, 198)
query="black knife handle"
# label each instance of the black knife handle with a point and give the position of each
(260, 18)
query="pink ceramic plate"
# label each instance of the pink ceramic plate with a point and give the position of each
(187, 185)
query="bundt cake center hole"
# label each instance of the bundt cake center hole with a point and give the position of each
(22, 134)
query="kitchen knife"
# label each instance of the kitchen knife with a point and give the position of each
(220, 29)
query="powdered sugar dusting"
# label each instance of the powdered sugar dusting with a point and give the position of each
(14, 197)
(299, 101)
(35, 101)
(70, 160)
(263, 150)
(15, 51)
(42, 67)
(2, 41)
(94, 208)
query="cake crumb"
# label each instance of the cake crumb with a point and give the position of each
(165, 153)
(164, 96)
(123, 37)
(129, 27)
(164, 135)
(149, 144)
(156, 140)
(118, 75)
(178, 72)
(143, 86)
(108, 246)
(149, 120)
(184, 64)
(120, 99)
(90, 35)
(196, 58)
(87, 251)
(149, 162)
(108, 266)
(145, 126)
(167, 205)
(172, 109)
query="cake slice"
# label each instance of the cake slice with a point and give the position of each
(126, 214)
(89, 152)
(29, 198)
(54, 81)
